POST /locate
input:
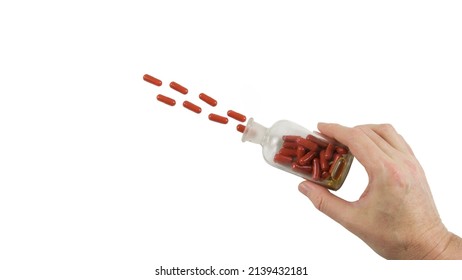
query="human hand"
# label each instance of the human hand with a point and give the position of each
(396, 215)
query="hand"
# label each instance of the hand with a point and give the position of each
(396, 215)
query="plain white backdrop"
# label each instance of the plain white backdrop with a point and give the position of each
(98, 180)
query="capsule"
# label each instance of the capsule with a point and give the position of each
(307, 158)
(329, 151)
(282, 159)
(193, 107)
(178, 87)
(325, 175)
(307, 144)
(237, 116)
(334, 161)
(290, 138)
(218, 118)
(341, 150)
(323, 161)
(307, 169)
(240, 128)
(316, 170)
(166, 100)
(316, 140)
(288, 152)
(207, 99)
(152, 80)
(300, 152)
(339, 165)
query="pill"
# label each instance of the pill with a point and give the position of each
(323, 161)
(341, 150)
(306, 159)
(240, 128)
(316, 170)
(191, 106)
(290, 145)
(329, 151)
(290, 138)
(218, 118)
(300, 152)
(307, 169)
(334, 161)
(237, 116)
(166, 100)
(316, 140)
(207, 99)
(338, 168)
(288, 152)
(307, 144)
(178, 87)
(325, 175)
(152, 80)
(282, 159)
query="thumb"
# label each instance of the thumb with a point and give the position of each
(336, 208)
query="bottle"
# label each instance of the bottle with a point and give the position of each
(293, 148)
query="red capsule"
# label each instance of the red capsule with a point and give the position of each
(341, 150)
(302, 169)
(306, 159)
(316, 170)
(323, 161)
(316, 140)
(237, 116)
(218, 118)
(152, 80)
(307, 144)
(207, 99)
(240, 128)
(290, 145)
(300, 152)
(329, 151)
(178, 87)
(334, 161)
(338, 168)
(290, 138)
(287, 152)
(191, 106)
(166, 100)
(282, 159)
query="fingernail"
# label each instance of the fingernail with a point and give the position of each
(305, 188)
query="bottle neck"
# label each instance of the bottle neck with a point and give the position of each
(254, 132)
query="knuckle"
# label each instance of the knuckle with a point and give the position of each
(386, 128)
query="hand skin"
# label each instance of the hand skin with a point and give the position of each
(396, 215)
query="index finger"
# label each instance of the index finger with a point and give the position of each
(362, 147)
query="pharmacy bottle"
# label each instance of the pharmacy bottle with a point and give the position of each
(293, 148)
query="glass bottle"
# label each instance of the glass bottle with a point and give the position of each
(293, 148)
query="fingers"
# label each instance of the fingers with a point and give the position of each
(329, 204)
(389, 134)
(362, 147)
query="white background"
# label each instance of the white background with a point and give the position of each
(98, 180)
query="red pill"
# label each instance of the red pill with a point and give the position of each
(329, 151)
(316, 140)
(282, 159)
(178, 87)
(316, 170)
(300, 152)
(240, 128)
(307, 144)
(338, 168)
(207, 99)
(191, 106)
(218, 118)
(290, 145)
(290, 138)
(334, 161)
(288, 152)
(302, 169)
(306, 159)
(237, 116)
(166, 100)
(341, 150)
(152, 80)
(323, 161)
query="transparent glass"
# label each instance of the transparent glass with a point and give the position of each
(297, 150)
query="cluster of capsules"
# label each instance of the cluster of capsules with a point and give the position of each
(193, 107)
(312, 157)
